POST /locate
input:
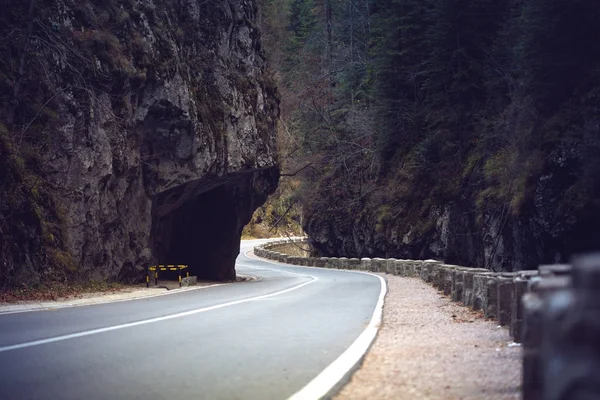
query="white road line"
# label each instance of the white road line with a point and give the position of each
(332, 378)
(60, 304)
(149, 321)
(328, 382)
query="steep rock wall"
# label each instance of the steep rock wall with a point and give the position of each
(473, 138)
(120, 116)
(559, 219)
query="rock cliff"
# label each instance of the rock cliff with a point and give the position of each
(463, 131)
(131, 132)
(560, 219)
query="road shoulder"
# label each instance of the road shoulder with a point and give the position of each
(87, 299)
(431, 348)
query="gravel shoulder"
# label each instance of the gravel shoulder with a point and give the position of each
(431, 348)
(131, 292)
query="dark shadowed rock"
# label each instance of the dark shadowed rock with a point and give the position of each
(570, 347)
(158, 136)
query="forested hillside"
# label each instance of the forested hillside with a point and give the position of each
(467, 131)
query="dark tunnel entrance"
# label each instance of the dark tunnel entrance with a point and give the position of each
(202, 234)
(200, 225)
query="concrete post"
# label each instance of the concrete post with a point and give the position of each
(365, 264)
(378, 265)
(570, 350)
(458, 284)
(320, 262)
(448, 277)
(516, 315)
(354, 263)
(532, 336)
(398, 267)
(389, 266)
(481, 298)
(439, 277)
(533, 331)
(427, 270)
(504, 298)
(343, 263)
(331, 262)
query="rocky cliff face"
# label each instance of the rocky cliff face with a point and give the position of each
(132, 132)
(554, 215)
(560, 219)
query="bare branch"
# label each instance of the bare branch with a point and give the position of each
(280, 218)
(298, 171)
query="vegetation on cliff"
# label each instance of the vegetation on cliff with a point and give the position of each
(117, 115)
(465, 131)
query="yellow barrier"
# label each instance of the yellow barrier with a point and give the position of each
(164, 267)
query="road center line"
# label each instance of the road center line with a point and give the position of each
(151, 320)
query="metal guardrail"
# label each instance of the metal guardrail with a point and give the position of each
(164, 267)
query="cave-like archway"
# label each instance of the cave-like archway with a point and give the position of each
(200, 223)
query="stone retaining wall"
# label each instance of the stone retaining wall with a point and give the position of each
(553, 311)
(496, 295)
(294, 248)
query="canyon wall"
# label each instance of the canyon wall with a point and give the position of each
(131, 132)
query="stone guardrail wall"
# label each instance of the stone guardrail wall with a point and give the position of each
(296, 247)
(554, 311)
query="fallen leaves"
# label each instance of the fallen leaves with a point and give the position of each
(51, 291)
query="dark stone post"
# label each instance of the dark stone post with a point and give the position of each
(504, 298)
(571, 342)
(532, 337)
(516, 316)
(534, 305)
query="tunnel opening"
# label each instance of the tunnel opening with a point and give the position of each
(200, 224)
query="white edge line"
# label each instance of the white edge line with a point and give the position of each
(148, 321)
(168, 292)
(332, 378)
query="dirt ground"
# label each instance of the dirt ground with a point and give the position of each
(431, 348)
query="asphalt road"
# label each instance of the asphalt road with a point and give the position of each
(263, 339)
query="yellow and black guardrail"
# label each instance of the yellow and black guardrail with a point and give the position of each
(153, 270)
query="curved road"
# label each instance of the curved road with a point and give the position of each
(262, 339)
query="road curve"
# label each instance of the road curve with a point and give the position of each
(262, 339)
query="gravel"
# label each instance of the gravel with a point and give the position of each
(431, 348)
(84, 299)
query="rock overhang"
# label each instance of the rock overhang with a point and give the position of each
(200, 224)
(189, 115)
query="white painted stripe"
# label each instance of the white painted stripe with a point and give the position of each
(149, 321)
(323, 385)
(60, 305)
(332, 376)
